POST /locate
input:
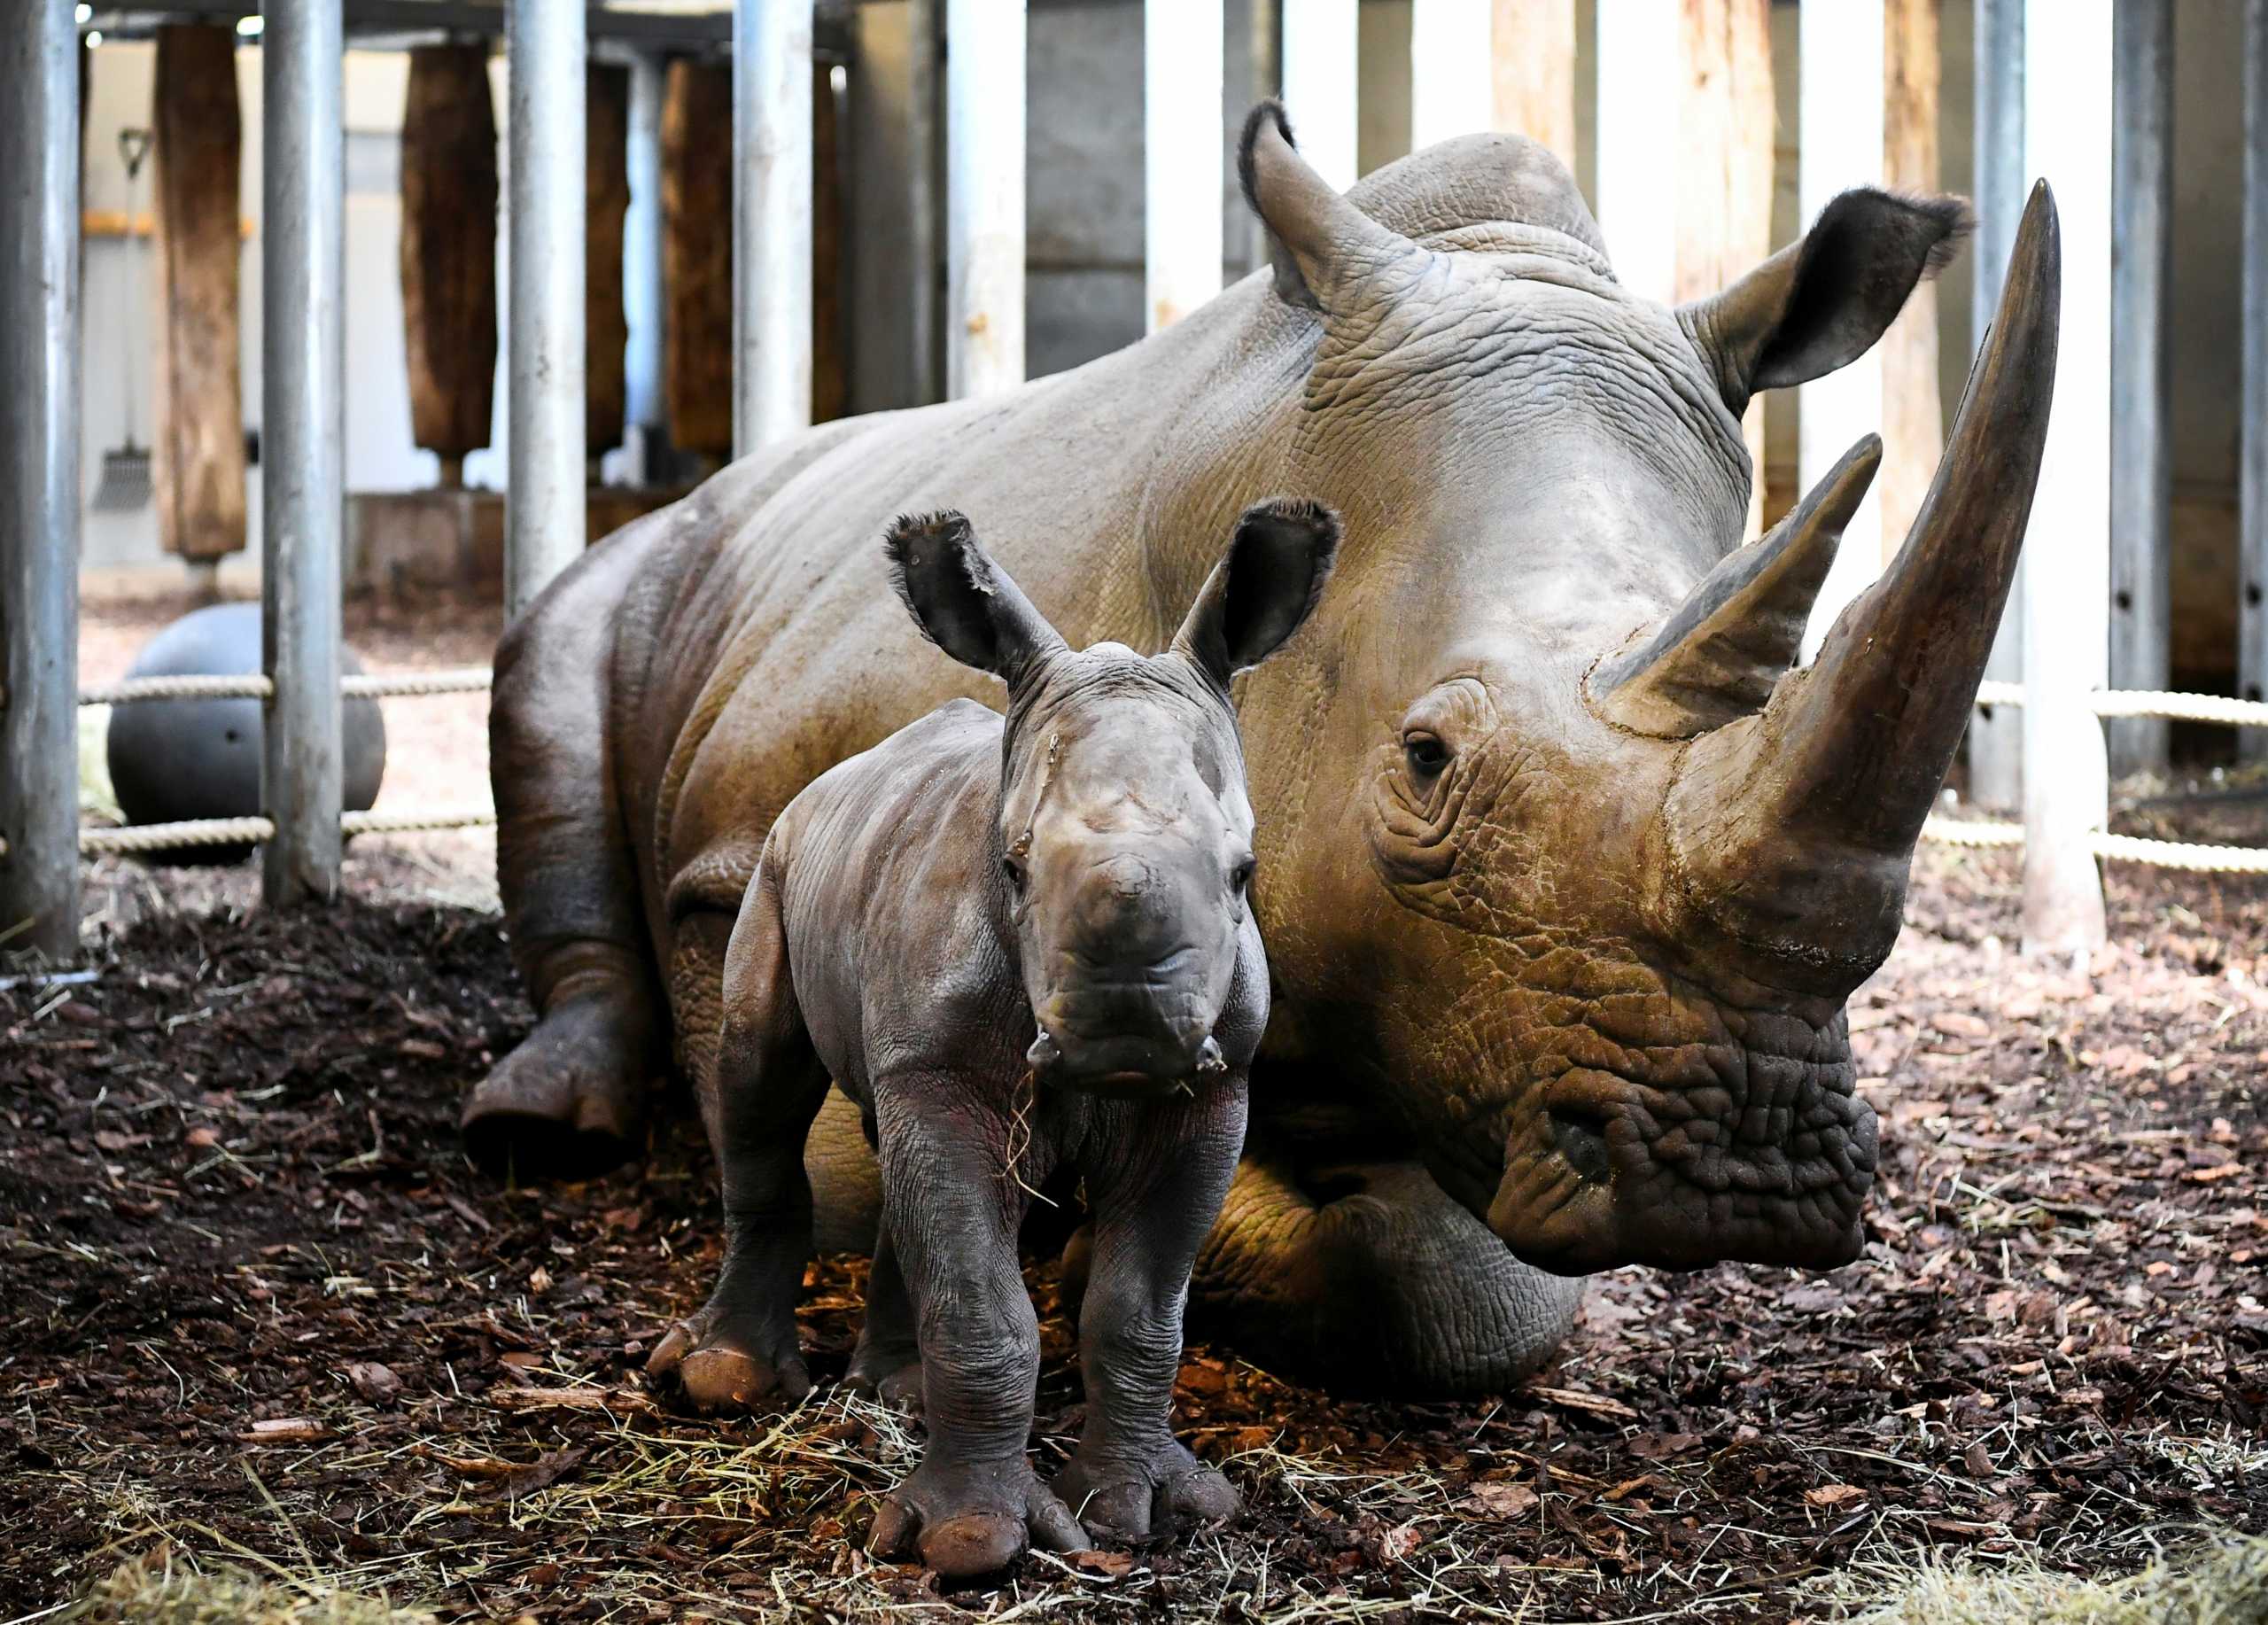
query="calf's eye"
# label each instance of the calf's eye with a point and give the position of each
(1241, 877)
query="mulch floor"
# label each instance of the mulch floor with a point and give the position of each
(255, 1304)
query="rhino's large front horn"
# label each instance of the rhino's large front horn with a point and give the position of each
(1790, 832)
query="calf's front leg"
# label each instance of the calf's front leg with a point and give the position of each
(1156, 1180)
(953, 1205)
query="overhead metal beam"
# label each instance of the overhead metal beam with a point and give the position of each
(303, 512)
(39, 482)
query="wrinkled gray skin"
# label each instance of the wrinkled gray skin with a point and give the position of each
(1071, 883)
(1564, 874)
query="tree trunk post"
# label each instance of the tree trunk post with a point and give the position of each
(1532, 72)
(448, 251)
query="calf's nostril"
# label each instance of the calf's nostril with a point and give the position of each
(1579, 1136)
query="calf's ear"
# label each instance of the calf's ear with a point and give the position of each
(964, 603)
(1820, 303)
(1258, 595)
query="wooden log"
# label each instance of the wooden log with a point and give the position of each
(1532, 73)
(199, 141)
(606, 206)
(830, 331)
(1726, 126)
(1913, 418)
(448, 250)
(697, 256)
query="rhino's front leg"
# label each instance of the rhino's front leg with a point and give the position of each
(952, 1205)
(1156, 1179)
(1368, 1276)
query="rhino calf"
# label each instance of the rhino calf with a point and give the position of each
(1023, 946)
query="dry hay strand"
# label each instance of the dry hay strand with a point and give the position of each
(2217, 1578)
(165, 1588)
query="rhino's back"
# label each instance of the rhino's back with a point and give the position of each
(790, 651)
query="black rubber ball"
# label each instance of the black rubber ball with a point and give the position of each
(172, 759)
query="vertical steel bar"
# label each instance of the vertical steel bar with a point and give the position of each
(1320, 70)
(1452, 79)
(545, 525)
(641, 271)
(2067, 596)
(1183, 51)
(2252, 455)
(1639, 64)
(924, 169)
(2142, 448)
(302, 465)
(39, 481)
(1996, 737)
(984, 196)
(771, 221)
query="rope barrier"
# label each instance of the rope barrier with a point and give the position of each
(2147, 703)
(250, 831)
(392, 685)
(407, 823)
(2191, 855)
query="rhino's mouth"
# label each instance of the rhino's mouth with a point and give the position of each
(1766, 1162)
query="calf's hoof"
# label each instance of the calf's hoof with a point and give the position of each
(893, 1380)
(1141, 1500)
(965, 1522)
(725, 1365)
(569, 1103)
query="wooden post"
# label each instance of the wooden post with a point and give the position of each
(199, 143)
(924, 178)
(1841, 128)
(770, 222)
(830, 335)
(697, 256)
(1182, 51)
(1996, 734)
(1319, 85)
(984, 196)
(2067, 118)
(1725, 131)
(2141, 450)
(1532, 72)
(41, 63)
(2252, 465)
(1452, 81)
(1913, 414)
(448, 252)
(606, 209)
(1640, 103)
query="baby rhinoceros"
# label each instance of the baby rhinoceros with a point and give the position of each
(1023, 946)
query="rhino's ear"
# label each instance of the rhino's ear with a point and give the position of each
(1261, 593)
(964, 603)
(1323, 249)
(1820, 303)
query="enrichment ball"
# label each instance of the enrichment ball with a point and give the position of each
(172, 759)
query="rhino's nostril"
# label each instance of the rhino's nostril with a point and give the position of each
(1579, 1136)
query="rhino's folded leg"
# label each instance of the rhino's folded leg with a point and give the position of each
(570, 1101)
(1368, 1276)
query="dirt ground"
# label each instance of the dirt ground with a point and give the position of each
(256, 1308)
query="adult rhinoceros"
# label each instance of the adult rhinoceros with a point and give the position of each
(1564, 874)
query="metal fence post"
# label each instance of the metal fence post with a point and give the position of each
(1319, 75)
(771, 221)
(1452, 82)
(545, 523)
(39, 481)
(2067, 595)
(2141, 444)
(984, 196)
(2252, 445)
(303, 480)
(1996, 736)
(1182, 53)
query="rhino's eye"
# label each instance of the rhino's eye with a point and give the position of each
(1425, 753)
(1241, 877)
(1014, 870)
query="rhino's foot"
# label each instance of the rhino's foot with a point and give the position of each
(570, 1101)
(731, 1361)
(894, 1377)
(1145, 1498)
(969, 1520)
